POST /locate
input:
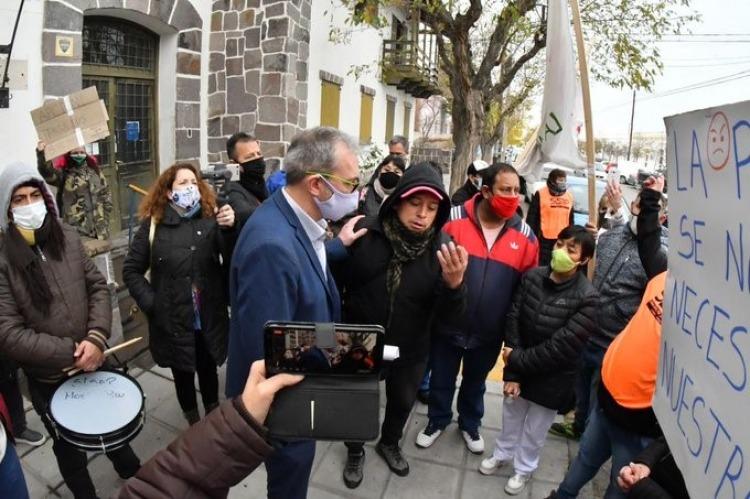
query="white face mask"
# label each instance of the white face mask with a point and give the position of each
(338, 205)
(30, 216)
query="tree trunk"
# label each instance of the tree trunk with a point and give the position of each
(467, 118)
(490, 142)
(487, 145)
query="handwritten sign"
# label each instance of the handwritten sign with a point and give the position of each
(73, 121)
(702, 395)
(96, 403)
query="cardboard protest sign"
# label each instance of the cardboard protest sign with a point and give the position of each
(73, 121)
(702, 394)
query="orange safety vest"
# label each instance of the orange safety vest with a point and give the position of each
(630, 364)
(554, 212)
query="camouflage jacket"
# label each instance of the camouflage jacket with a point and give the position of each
(83, 197)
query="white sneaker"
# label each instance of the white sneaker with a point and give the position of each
(427, 437)
(489, 465)
(474, 442)
(516, 483)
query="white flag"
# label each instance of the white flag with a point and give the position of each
(556, 139)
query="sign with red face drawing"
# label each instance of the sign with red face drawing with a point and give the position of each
(702, 394)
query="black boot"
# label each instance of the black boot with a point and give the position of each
(394, 458)
(210, 407)
(192, 416)
(354, 469)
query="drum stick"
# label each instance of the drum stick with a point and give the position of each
(106, 353)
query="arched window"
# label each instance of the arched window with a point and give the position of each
(120, 59)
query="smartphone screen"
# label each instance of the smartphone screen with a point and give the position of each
(290, 350)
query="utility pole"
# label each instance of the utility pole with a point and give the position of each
(632, 116)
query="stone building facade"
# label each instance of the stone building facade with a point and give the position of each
(180, 76)
(257, 78)
(61, 76)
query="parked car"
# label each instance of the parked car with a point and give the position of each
(643, 175)
(600, 171)
(580, 188)
(627, 171)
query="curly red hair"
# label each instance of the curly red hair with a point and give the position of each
(156, 200)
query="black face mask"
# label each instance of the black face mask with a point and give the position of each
(556, 188)
(251, 178)
(389, 180)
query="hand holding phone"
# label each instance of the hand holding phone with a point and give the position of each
(260, 391)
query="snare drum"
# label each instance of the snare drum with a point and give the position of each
(97, 411)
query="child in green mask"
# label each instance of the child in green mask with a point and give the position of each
(549, 323)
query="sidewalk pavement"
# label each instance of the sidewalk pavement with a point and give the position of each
(446, 470)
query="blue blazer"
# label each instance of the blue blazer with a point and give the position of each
(275, 275)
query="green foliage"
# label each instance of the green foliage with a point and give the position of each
(366, 12)
(621, 35)
(622, 38)
(370, 157)
(488, 49)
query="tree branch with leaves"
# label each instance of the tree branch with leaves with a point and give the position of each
(621, 37)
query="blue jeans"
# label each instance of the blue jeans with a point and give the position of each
(586, 383)
(424, 386)
(289, 470)
(445, 359)
(12, 482)
(602, 439)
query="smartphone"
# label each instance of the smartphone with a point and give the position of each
(294, 347)
(612, 176)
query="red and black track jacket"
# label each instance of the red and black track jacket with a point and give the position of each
(491, 277)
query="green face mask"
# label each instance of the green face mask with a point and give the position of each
(561, 261)
(79, 159)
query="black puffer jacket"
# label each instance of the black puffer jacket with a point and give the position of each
(185, 251)
(548, 325)
(422, 296)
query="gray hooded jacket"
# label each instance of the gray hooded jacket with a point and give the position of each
(620, 280)
(16, 174)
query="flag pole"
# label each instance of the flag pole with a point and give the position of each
(586, 94)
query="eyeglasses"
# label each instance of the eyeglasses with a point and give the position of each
(349, 183)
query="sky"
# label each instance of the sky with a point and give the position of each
(699, 59)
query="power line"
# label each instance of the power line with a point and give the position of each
(710, 59)
(702, 41)
(688, 88)
(705, 65)
(707, 34)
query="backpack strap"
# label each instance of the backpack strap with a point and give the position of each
(151, 234)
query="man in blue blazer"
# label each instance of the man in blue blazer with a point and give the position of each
(280, 271)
